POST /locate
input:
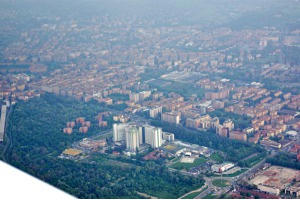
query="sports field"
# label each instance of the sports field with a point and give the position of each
(170, 147)
(187, 166)
(187, 160)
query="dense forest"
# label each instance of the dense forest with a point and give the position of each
(239, 121)
(285, 160)
(36, 138)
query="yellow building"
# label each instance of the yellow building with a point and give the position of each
(73, 153)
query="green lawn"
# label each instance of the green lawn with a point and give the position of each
(180, 166)
(216, 157)
(210, 196)
(256, 161)
(184, 89)
(176, 159)
(163, 195)
(233, 174)
(119, 97)
(192, 195)
(106, 135)
(220, 183)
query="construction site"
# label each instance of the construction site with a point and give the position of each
(275, 179)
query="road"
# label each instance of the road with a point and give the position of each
(198, 190)
(212, 188)
(232, 180)
(250, 156)
(252, 169)
(146, 195)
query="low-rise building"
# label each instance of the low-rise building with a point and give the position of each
(293, 190)
(269, 190)
(270, 143)
(71, 153)
(168, 136)
(237, 135)
(219, 168)
(68, 130)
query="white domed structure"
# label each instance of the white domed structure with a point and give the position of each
(291, 133)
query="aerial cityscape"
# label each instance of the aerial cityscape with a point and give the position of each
(153, 99)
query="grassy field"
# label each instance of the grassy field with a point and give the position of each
(210, 196)
(163, 195)
(256, 161)
(180, 166)
(117, 97)
(216, 157)
(106, 135)
(220, 183)
(192, 195)
(176, 159)
(184, 89)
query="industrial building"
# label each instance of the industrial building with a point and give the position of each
(275, 179)
(293, 190)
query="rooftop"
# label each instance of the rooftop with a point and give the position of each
(72, 152)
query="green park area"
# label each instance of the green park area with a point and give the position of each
(210, 196)
(187, 166)
(192, 195)
(252, 161)
(104, 136)
(220, 183)
(216, 157)
(176, 159)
